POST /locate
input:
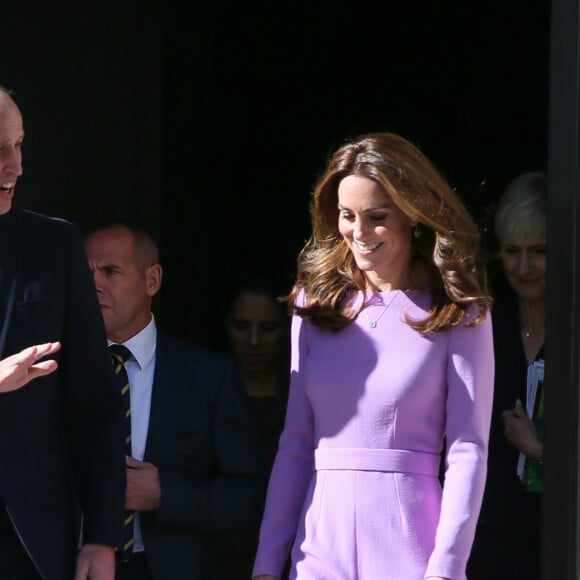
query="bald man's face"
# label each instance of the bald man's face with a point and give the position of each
(11, 137)
(124, 289)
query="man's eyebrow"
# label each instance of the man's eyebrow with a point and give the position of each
(8, 141)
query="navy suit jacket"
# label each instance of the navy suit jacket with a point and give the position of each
(61, 441)
(202, 440)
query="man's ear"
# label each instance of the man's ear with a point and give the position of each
(153, 276)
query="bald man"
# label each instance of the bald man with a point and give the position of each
(194, 468)
(60, 450)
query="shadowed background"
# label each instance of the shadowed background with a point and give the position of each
(209, 122)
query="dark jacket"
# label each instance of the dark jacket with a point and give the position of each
(202, 440)
(60, 435)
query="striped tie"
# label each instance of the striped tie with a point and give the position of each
(121, 354)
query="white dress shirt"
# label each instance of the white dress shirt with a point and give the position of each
(140, 369)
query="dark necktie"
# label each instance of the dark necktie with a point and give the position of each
(121, 354)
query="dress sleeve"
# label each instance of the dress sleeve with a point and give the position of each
(470, 373)
(292, 470)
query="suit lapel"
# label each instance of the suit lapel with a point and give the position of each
(9, 274)
(166, 401)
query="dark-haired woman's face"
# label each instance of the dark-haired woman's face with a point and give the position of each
(258, 331)
(524, 264)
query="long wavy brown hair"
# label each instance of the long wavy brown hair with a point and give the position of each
(448, 248)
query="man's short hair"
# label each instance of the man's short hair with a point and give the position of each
(146, 248)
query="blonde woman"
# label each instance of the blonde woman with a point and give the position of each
(507, 543)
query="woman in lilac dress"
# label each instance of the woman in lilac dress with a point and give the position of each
(392, 356)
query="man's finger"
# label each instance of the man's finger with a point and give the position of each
(43, 368)
(47, 348)
(132, 462)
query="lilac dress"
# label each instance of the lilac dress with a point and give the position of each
(354, 492)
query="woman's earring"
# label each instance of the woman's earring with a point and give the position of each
(417, 231)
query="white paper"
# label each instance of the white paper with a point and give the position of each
(535, 376)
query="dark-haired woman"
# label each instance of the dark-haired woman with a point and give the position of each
(257, 326)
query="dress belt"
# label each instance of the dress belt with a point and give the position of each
(398, 460)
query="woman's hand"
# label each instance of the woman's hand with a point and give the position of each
(521, 432)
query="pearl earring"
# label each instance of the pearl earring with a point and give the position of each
(417, 231)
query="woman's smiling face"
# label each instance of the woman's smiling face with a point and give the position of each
(524, 264)
(376, 231)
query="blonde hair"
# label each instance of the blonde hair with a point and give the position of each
(448, 246)
(522, 209)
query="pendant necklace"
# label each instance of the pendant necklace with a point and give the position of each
(373, 323)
